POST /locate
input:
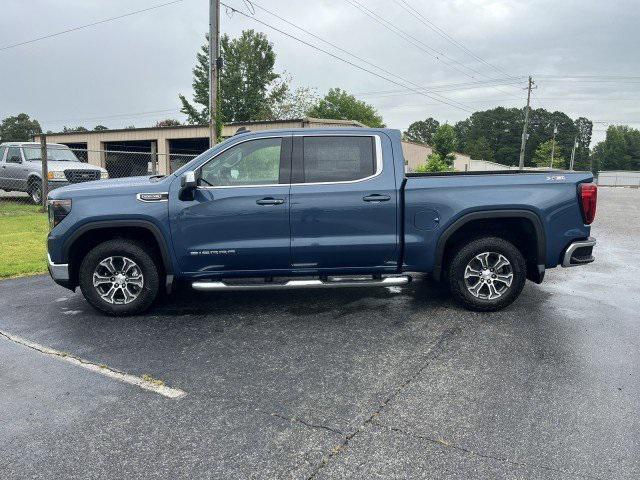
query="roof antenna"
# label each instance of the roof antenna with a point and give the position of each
(242, 130)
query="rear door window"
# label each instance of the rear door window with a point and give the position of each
(338, 158)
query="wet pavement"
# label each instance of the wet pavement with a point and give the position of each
(362, 383)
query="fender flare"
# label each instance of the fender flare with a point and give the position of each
(541, 240)
(146, 224)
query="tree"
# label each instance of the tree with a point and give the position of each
(246, 82)
(542, 156)
(480, 150)
(19, 128)
(585, 130)
(421, 131)
(435, 163)
(462, 134)
(444, 143)
(337, 104)
(168, 122)
(99, 128)
(287, 103)
(620, 150)
(74, 129)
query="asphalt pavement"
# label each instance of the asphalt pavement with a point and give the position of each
(353, 383)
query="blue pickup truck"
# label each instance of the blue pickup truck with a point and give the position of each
(316, 208)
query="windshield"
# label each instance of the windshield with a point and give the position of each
(57, 153)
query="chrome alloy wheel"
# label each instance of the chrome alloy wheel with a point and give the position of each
(488, 275)
(118, 280)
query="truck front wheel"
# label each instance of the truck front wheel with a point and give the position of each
(119, 277)
(35, 192)
(487, 274)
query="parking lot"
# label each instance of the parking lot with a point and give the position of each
(355, 383)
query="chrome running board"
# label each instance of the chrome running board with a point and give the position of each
(330, 282)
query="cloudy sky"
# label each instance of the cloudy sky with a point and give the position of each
(469, 55)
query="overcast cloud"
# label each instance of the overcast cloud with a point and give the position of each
(110, 73)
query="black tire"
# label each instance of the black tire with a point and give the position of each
(120, 248)
(467, 256)
(35, 192)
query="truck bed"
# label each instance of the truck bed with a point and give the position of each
(434, 201)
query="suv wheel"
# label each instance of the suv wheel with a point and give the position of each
(119, 278)
(35, 192)
(487, 274)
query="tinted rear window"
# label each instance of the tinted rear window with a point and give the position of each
(337, 159)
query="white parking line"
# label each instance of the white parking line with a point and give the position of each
(144, 383)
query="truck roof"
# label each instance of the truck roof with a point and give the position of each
(315, 131)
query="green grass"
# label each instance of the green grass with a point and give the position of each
(23, 235)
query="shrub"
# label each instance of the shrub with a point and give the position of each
(434, 163)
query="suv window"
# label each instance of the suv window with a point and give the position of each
(338, 159)
(2, 150)
(12, 154)
(255, 162)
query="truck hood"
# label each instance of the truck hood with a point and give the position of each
(54, 166)
(113, 186)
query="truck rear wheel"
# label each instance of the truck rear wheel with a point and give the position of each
(487, 274)
(119, 277)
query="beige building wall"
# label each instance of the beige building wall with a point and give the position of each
(416, 154)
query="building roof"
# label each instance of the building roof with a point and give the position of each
(351, 123)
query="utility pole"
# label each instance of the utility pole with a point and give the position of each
(553, 144)
(214, 63)
(573, 153)
(45, 169)
(526, 123)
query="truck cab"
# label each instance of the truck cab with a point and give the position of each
(316, 209)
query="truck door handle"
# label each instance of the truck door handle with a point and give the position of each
(376, 197)
(270, 201)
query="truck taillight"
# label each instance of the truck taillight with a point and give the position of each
(588, 199)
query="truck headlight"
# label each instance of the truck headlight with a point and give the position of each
(56, 176)
(58, 209)
(104, 175)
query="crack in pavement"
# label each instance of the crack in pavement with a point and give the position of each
(302, 422)
(431, 354)
(487, 456)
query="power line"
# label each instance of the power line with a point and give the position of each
(446, 87)
(419, 43)
(315, 47)
(429, 24)
(339, 48)
(610, 77)
(73, 29)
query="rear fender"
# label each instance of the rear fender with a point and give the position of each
(541, 250)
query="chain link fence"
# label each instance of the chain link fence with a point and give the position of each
(25, 178)
(619, 179)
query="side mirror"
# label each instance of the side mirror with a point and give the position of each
(188, 180)
(188, 184)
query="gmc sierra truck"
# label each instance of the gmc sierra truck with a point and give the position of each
(309, 208)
